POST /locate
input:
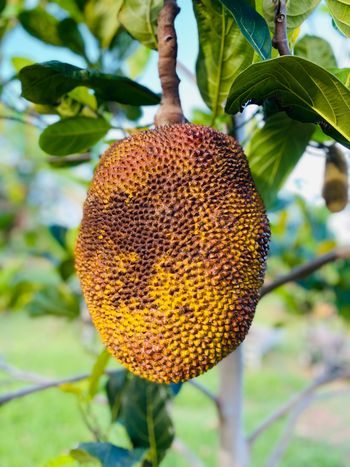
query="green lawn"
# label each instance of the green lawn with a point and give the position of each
(42, 426)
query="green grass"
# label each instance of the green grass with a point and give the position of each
(41, 426)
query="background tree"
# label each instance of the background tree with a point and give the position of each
(249, 53)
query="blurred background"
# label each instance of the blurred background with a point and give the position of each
(45, 333)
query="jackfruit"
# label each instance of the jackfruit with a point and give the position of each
(335, 183)
(171, 251)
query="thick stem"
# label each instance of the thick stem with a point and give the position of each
(280, 38)
(170, 110)
(233, 450)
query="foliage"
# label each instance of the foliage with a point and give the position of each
(73, 107)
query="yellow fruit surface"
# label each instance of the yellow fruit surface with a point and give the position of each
(171, 251)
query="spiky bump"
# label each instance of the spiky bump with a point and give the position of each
(171, 250)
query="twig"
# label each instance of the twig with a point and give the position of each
(179, 446)
(280, 38)
(19, 120)
(43, 386)
(170, 110)
(186, 72)
(307, 269)
(329, 376)
(70, 158)
(205, 391)
(22, 375)
(284, 441)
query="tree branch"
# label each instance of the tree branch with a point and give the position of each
(306, 269)
(280, 38)
(205, 391)
(298, 400)
(43, 386)
(170, 110)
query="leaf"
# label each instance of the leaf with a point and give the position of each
(297, 12)
(20, 62)
(83, 96)
(114, 389)
(340, 10)
(108, 454)
(61, 460)
(139, 18)
(316, 50)
(98, 371)
(146, 417)
(71, 7)
(223, 52)
(59, 233)
(343, 74)
(57, 301)
(70, 36)
(274, 151)
(40, 24)
(101, 17)
(45, 83)
(72, 135)
(2, 5)
(138, 61)
(306, 91)
(252, 25)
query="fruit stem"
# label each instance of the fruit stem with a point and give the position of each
(170, 110)
(280, 38)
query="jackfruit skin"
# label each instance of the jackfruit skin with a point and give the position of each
(335, 184)
(171, 251)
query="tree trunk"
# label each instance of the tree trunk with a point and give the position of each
(233, 445)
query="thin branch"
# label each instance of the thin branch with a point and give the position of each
(70, 158)
(45, 385)
(307, 269)
(19, 120)
(280, 38)
(179, 446)
(170, 110)
(329, 376)
(20, 375)
(287, 435)
(205, 391)
(186, 72)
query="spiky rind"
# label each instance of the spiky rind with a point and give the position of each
(171, 251)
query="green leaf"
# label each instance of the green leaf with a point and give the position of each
(2, 5)
(343, 74)
(70, 36)
(40, 24)
(138, 61)
(306, 91)
(98, 371)
(62, 460)
(45, 83)
(83, 96)
(115, 391)
(72, 135)
(71, 7)
(101, 17)
(139, 18)
(146, 417)
(223, 52)
(55, 301)
(297, 12)
(274, 151)
(340, 10)
(316, 50)
(20, 62)
(252, 25)
(108, 454)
